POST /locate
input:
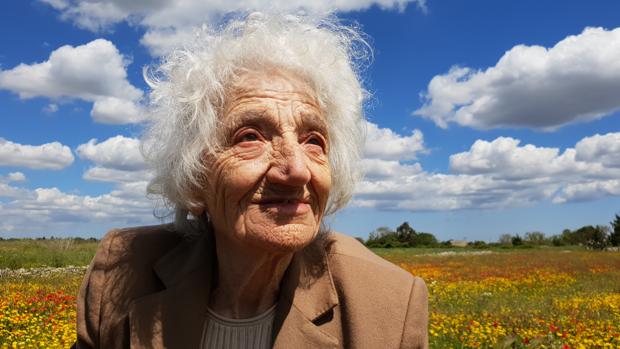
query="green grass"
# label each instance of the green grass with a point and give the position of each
(29, 253)
(403, 254)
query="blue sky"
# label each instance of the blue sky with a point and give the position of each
(486, 117)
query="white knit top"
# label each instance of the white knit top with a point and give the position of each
(224, 333)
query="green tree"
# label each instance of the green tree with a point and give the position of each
(405, 233)
(581, 236)
(535, 238)
(424, 239)
(404, 236)
(567, 237)
(383, 237)
(597, 238)
(477, 244)
(614, 237)
(556, 240)
(505, 239)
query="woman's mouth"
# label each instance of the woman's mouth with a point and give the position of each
(285, 206)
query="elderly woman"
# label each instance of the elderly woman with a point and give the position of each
(256, 135)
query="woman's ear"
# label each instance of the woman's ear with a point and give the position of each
(197, 205)
(197, 211)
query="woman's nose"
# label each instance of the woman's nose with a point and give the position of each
(290, 165)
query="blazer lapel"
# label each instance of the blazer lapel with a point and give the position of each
(304, 299)
(174, 317)
(299, 332)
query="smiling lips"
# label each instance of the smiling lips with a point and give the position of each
(285, 206)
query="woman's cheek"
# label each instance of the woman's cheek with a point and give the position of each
(243, 174)
(321, 184)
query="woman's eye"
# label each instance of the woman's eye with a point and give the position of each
(248, 137)
(315, 140)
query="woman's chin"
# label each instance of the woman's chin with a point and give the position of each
(289, 237)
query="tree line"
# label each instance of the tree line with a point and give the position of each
(594, 237)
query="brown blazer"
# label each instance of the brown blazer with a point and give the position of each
(148, 287)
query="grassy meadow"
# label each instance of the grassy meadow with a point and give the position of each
(28, 253)
(504, 298)
(39, 280)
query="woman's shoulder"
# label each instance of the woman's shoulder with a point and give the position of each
(352, 264)
(351, 254)
(134, 247)
(121, 271)
(127, 255)
(144, 242)
(140, 234)
(379, 296)
(132, 253)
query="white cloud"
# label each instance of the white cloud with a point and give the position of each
(94, 72)
(430, 191)
(168, 23)
(88, 71)
(504, 157)
(51, 156)
(92, 15)
(49, 210)
(160, 41)
(385, 144)
(104, 174)
(600, 148)
(117, 160)
(57, 4)
(51, 108)
(113, 110)
(118, 152)
(385, 149)
(377, 169)
(8, 191)
(496, 174)
(532, 86)
(13, 177)
(588, 191)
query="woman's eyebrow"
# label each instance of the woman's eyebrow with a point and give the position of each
(256, 117)
(263, 119)
(313, 121)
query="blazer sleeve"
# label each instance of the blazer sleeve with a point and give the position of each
(90, 297)
(415, 332)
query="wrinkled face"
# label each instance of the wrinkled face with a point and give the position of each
(269, 185)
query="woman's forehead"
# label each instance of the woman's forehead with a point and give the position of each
(250, 87)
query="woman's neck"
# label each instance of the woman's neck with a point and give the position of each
(248, 281)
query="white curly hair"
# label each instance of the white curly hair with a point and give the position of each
(188, 91)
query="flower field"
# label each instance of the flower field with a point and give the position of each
(539, 298)
(520, 299)
(37, 307)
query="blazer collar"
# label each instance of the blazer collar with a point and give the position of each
(174, 317)
(306, 294)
